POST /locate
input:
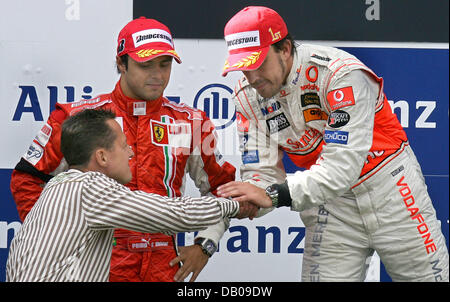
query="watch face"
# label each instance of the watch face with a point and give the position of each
(271, 191)
(210, 246)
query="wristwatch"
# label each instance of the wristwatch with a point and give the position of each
(208, 246)
(273, 193)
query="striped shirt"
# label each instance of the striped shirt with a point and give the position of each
(67, 236)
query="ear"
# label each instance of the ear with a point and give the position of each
(120, 65)
(287, 47)
(101, 157)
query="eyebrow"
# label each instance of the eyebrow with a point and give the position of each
(151, 62)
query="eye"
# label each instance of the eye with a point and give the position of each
(146, 65)
(166, 63)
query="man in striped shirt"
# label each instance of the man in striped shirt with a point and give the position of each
(68, 234)
(172, 142)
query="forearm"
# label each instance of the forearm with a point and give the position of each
(108, 204)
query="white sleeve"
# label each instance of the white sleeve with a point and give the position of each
(346, 149)
(262, 163)
(215, 232)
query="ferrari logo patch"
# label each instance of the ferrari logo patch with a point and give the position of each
(171, 134)
(158, 132)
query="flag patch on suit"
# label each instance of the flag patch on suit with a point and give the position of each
(173, 134)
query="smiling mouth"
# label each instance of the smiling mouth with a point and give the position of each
(154, 86)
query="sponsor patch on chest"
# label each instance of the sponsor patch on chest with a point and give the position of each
(173, 135)
(250, 157)
(310, 99)
(314, 114)
(242, 122)
(277, 123)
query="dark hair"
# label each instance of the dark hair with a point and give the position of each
(279, 45)
(124, 60)
(84, 132)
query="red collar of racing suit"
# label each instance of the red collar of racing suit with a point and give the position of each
(135, 107)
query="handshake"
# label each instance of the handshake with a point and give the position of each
(250, 197)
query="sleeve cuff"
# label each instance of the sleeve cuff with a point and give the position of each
(284, 196)
(230, 208)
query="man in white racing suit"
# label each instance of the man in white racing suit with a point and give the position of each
(363, 189)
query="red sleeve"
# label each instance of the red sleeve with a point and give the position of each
(42, 157)
(25, 189)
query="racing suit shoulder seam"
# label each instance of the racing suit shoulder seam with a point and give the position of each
(85, 103)
(193, 113)
(245, 102)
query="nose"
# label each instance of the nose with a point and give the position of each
(252, 76)
(156, 71)
(130, 152)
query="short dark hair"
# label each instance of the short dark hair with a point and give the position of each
(124, 60)
(84, 132)
(279, 45)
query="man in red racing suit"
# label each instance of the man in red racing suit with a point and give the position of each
(168, 140)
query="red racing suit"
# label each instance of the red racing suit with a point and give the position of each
(168, 140)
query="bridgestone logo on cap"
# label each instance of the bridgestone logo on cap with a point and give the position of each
(151, 36)
(243, 40)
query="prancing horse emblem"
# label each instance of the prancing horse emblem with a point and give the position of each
(159, 132)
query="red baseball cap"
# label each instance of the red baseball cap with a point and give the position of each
(145, 39)
(249, 35)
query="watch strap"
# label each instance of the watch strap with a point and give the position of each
(284, 196)
(272, 192)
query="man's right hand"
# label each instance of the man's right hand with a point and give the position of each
(247, 210)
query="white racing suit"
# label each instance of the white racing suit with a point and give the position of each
(363, 190)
